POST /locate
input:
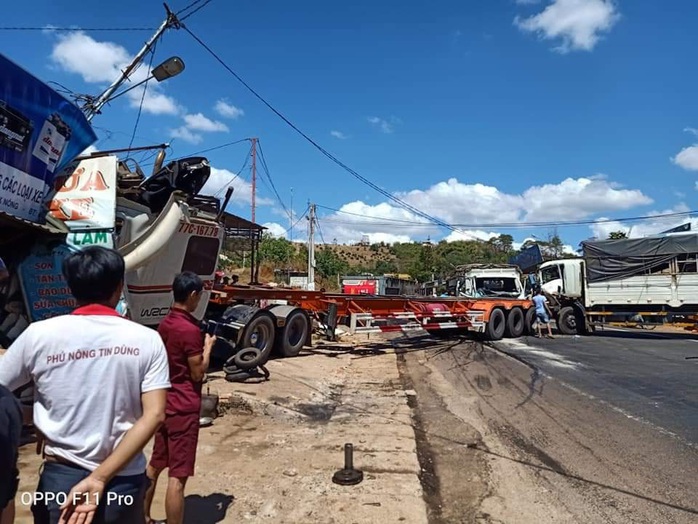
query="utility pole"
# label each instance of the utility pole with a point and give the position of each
(93, 106)
(290, 218)
(311, 248)
(254, 177)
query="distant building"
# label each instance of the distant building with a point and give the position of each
(392, 284)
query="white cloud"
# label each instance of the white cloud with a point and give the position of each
(691, 130)
(577, 24)
(221, 179)
(687, 158)
(454, 202)
(386, 126)
(275, 229)
(652, 226)
(102, 63)
(227, 110)
(339, 134)
(184, 133)
(198, 122)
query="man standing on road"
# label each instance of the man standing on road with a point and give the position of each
(100, 390)
(189, 354)
(542, 312)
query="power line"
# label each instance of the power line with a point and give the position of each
(195, 10)
(145, 90)
(244, 165)
(49, 28)
(299, 219)
(318, 146)
(395, 222)
(265, 168)
(196, 153)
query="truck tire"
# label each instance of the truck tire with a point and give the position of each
(259, 333)
(496, 325)
(567, 321)
(248, 358)
(515, 323)
(530, 320)
(293, 335)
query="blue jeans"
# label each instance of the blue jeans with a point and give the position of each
(542, 317)
(124, 506)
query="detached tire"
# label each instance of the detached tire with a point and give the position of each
(567, 321)
(259, 334)
(248, 358)
(515, 326)
(497, 325)
(294, 334)
(530, 319)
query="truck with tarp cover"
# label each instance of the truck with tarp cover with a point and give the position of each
(648, 281)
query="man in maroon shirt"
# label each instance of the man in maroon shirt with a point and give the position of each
(188, 352)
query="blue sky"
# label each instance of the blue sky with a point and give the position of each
(479, 113)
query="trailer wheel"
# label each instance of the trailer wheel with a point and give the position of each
(530, 321)
(567, 321)
(259, 333)
(294, 334)
(497, 325)
(515, 323)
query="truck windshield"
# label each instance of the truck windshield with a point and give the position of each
(497, 286)
(549, 273)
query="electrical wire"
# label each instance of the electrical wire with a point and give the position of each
(244, 165)
(299, 219)
(195, 10)
(145, 90)
(322, 150)
(395, 222)
(49, 28)
(265, 167)
(196, 153)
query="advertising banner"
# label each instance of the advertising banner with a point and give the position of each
(46, 292)
(40, 133)
(85, 194)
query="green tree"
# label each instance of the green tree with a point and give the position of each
(617, 235)
(275, 250)
(329, 264)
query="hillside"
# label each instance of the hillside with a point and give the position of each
(423, 261)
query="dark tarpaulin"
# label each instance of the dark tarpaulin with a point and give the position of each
(614, 259)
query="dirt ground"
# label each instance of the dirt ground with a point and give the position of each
(271, 454)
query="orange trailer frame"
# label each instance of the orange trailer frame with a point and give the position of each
(367, 314)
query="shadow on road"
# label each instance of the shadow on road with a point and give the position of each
(208, 509)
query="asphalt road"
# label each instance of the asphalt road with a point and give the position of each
(593, 429)
(644, 374)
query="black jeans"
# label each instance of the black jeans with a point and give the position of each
(121, 502)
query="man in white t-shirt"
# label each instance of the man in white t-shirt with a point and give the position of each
(100, 393)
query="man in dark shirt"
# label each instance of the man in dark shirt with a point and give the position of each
(10, 431)
(188, 353)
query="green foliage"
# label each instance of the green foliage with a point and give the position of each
(276, 251)
(617, 235)
(328, 263)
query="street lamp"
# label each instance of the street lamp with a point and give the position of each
(169, 68)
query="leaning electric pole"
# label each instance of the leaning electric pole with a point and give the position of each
(311, 248)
